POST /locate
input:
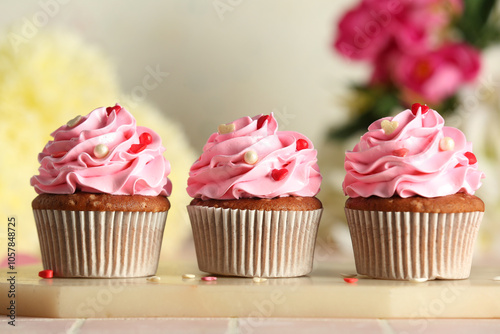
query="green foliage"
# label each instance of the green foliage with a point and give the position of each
(479, 24)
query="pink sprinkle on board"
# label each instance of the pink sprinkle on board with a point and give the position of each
(209, 278)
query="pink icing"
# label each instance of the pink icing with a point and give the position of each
(374, 168)
(68, 163)
(222, 173)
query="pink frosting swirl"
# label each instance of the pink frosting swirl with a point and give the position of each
(415, 159)
(285, 165)
(70, 163)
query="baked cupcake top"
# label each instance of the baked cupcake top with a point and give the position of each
(249, 158)
(103, 152)
(411, 154)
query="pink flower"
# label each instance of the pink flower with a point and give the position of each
(366, 31)
(433, 76)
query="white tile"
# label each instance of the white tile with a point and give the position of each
(316, 326)
(444, 326)
(156, 325)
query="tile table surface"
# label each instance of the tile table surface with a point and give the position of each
(27, 325)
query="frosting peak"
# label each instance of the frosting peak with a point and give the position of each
(250, 158)
(103, 152)
(410, 154)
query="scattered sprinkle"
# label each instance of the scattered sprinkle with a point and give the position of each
(302, 144)
(416, 106)
(251, 157)
(136, 148)
(259, 279)
(350, 279)
(154, 279)
(418, 280)
(209, 278)
(389, 126)
(262, 120)
(226, 128)
(74, 122)
(472, 158)
(188, 276)
(402, 152)
(116, 109)
(496, 278)
(47, 273)
(145, 138)
(446, 144)
(101, 151)
(348, 275)
(279, 174)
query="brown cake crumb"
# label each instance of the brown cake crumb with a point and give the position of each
(290, 203)
(460, 202)
(100, 202)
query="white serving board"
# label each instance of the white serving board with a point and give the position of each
(321, 294)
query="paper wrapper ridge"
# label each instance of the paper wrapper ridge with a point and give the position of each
(407, 245)
(100, 244)
(254, 243)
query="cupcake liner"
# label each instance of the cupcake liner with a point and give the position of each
(100, 244)
(408, 245)
(254, 243)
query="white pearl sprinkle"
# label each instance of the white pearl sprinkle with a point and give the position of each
(226, 128)
(446, 144)
(188, 276)
(496, 278)
(101, 151)
(74, 122)
(418, 280)
(389, 126)
(154, 279)
(251, 157)
(259, 279)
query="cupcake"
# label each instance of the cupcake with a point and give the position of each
(254, 212)
(411, 211)
(102, 203)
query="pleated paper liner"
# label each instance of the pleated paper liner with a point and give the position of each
(407, 245)
(100, 244)
(254, 243)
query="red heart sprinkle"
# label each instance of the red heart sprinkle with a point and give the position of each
(279, 174)
(415, 106)
(47, 273)
(261, 120)
(402, 152)
(350, 279)
(302, 144)
(136, 148)
(116, 109)
(145, 138)
(472, 158)
(58, 154)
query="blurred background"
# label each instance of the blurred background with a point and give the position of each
(325, 68)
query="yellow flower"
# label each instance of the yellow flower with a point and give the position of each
(47, 81)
